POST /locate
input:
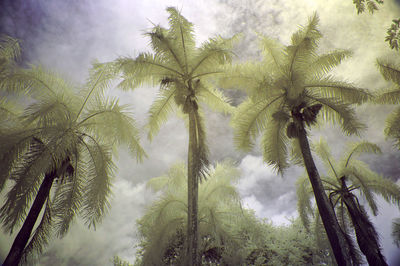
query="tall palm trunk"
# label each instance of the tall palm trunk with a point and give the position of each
(192, 253)
(17, 248)
(338, 241)
(367, 237)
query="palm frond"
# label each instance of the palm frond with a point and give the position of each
(388, 96)
(215, 99)
(9, 48)
(113, 124)
(199, 154)
(304, 200)
(272, 51)
(212, 54)
(181, 31)
(146, 68)
(396, 231)
(389, 70)
(324, 63)
(274, 143)
(68, 198)
(392, 128)
(160, 109)
(303, 44)
(330, 88)
(336, 111)
(250, 119)
(357, 148)
(323, 151)
(97, 188)
(37, 81)
(27, 174)
(296, 156)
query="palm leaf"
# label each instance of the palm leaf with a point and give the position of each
(97, 188)
(324, 63)
(303, 192)
(250, 119)
(160, 110)
(275, 142)
(389, 70)
(215, 99)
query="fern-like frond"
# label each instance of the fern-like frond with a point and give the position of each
(336, 111)
(304, 207)
(160, 109)
(113, 124)
(324, 63)
(199, 149)
(296, 156)
(329, 88)
(27, 174)
(396, 231)
(274, 143)
(68, 198)
(37, 81)
(388, 96)
(323, 151)
(389, 70)
(355, 149)
(392, 128)
(303, 45)
(9, 48)
(181, 32)
(212, 54)
(249, 120)
(272, 50)
(146, 68)
(97, 186)
(215, 99)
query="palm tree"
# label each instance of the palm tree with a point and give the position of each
(391, 71)
(182, 70)
(344, 200)
(162, 227)
(287, 90)
(63, 140)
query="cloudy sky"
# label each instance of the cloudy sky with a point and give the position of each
(66, 36)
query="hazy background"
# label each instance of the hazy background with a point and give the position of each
(66, 36)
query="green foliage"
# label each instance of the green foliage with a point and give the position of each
(393, 34)
(370, 5)
(290, 79)
(229, 234)
(117, 261)
(360, 176)
(390, 71)
(396, 231)
(59, 125)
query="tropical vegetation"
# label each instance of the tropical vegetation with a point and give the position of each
(183, 72)
(341, 182)
(58, 151)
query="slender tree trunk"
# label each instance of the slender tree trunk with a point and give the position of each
(340, 245)
(17, 248)
(192, 253)
(367, 237)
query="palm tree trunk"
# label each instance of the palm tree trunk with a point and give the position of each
(340, 245)
(17, 248)
(192, 253)
(367, 237)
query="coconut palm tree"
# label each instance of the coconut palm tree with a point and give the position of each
(182, 70)
(391, 72)
(287, 90)
(344, 199)
(162, 227)
(59, 152)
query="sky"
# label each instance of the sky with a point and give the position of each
(66, 36)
